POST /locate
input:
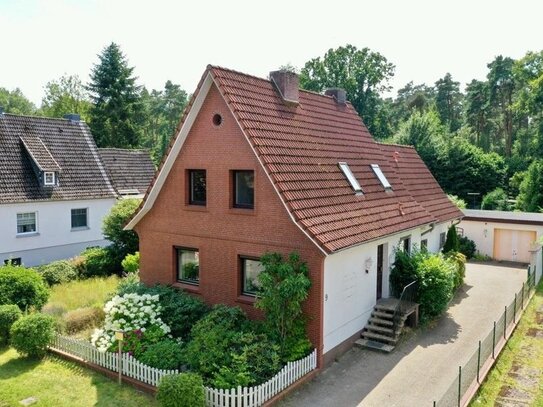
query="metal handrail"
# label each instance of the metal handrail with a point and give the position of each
(408, 295)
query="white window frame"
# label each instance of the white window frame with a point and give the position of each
(80, 227)
(35, 232)
(45, 174)
(381, 176)
(350, 177)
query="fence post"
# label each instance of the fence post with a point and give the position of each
(459, 384)
(505, 323)
(478, 361)
(494, 341)
(522, 306)
(515, 309)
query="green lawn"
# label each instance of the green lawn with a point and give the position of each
(81, 293)
(57, 382)
(518, 374)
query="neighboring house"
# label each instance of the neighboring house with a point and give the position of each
(506, 236)
(258, 165)
(54, 188)
(130, 171)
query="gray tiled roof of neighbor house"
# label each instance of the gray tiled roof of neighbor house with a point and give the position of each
(128, 169)
(64, 146)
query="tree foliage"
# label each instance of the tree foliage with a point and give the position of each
(123, 241)
(65, 95)
(363, 73)
(116, 116)
(15, 102)
(530, 198)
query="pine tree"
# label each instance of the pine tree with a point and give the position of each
(116, 117)
(452, 243)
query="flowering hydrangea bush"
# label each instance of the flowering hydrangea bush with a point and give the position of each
(130, 313)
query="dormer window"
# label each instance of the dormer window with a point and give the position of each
(350, 177)
(49, 178)
(379, 173)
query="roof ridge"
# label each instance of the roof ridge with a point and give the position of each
(39, 117)
(382, 143)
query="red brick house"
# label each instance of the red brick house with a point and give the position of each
(258, 165)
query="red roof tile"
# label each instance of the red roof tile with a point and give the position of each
(300, 147)
(421, 183)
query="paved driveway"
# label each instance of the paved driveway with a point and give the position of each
(421, 368)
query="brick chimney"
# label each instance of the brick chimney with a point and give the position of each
(287, 83)
(337, 93)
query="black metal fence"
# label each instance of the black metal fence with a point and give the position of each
(487, 347)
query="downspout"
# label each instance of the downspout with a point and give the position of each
(432, 226)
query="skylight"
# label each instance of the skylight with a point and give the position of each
(381, 176)
(350, 177)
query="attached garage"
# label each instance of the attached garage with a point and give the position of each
(513, 245)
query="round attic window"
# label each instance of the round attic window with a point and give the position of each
(217, 119)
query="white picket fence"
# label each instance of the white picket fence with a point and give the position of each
(130, 366)
(258, 395)
(236, 397)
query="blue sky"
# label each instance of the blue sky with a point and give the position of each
(42, 40)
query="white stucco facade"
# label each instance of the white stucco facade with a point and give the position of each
(350, 281)
(54, 238)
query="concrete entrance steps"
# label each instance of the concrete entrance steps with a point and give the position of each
(379, 333)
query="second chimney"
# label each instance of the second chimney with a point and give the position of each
(288, 84)
(337, 93)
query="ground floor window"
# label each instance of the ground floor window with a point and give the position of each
(424, 245)
(188, 265)
(26, 223)
(250, 270)
(15, 261)
(80, 218)
(405, 244)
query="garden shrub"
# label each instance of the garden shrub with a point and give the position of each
(284, 286)
(182, 390)
(404, 270)
(131, 263)
(83, 318)
(30, 335)
(451, 242)
(166, 354)
(213, 337)
(467, 247)
(297, 345)
(9, 313)
(130, 313)
(180, 311)
(436, 282)
(122, 241)
(23, 287)
(254, 360)
(99, 262)
(130, 285)
(458, 260)
(58, 272)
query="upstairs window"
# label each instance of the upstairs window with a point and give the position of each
(244, 189)
(188, 265)
(197, 187)
(250, 270)
(26, 223)
(80, 218)
(49, 178)
(379, 173)
(350, 177)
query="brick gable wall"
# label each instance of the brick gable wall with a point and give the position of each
(220, 232)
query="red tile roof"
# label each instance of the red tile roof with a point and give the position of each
(300, 147)
(421, 183)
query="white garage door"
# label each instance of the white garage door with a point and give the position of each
(513, 245)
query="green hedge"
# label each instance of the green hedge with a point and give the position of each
(182, 390)
(31, 334)
(9, 313)
(23, 287)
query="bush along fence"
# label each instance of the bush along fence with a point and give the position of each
(470, 376)
(240, 396)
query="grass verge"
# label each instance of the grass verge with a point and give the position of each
(520, 363)
(57, 382)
